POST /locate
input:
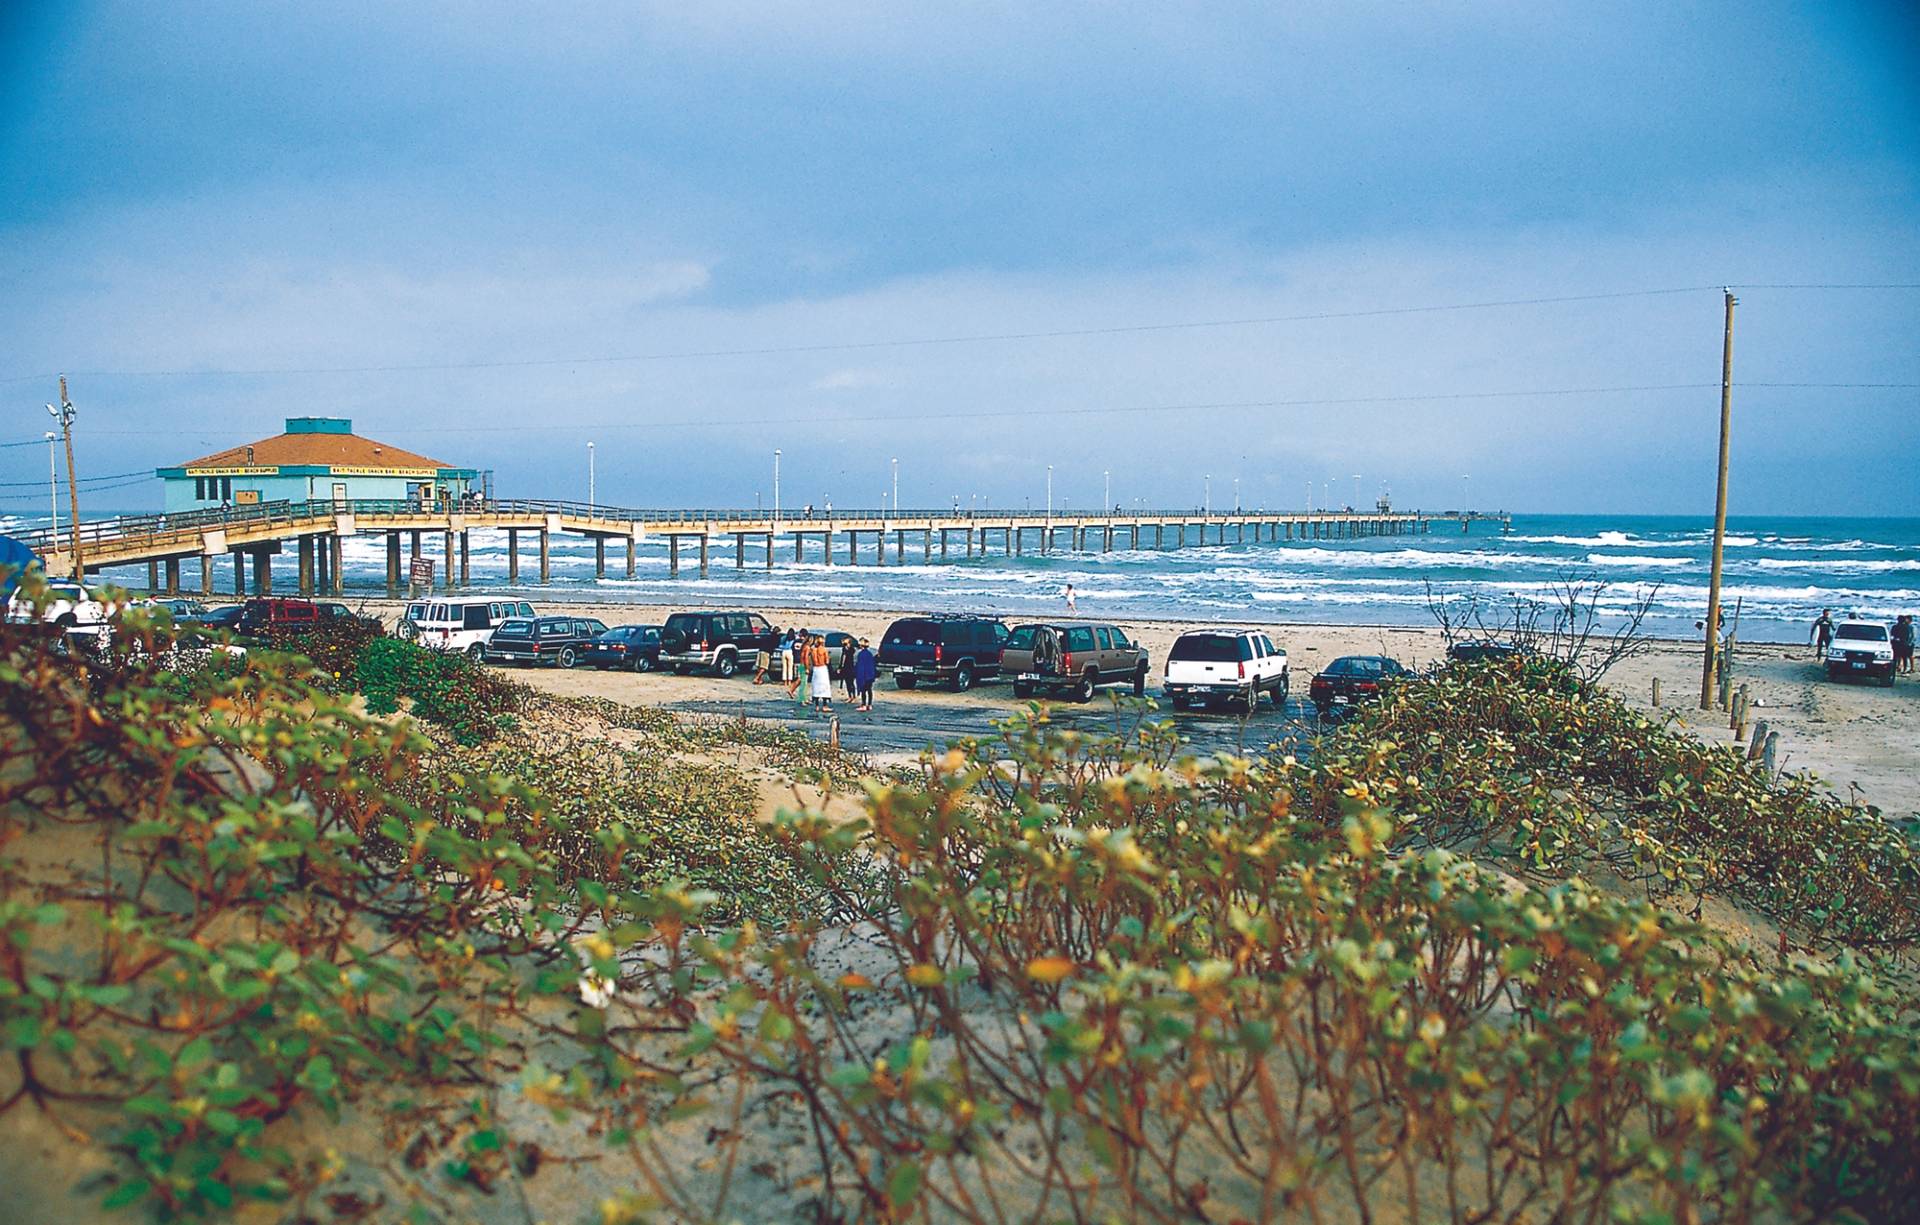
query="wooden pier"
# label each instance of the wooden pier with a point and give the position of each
(254, 535)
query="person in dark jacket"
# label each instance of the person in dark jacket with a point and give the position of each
(866, 667)
(843, 668)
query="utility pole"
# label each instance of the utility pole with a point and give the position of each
(53, 488)
(1719, 511)
(64, 415)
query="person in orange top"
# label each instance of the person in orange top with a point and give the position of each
(819, 660)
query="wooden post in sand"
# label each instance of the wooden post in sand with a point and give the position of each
(1766, 755)
(1656, 693)
(833, 733)
(1759, 741)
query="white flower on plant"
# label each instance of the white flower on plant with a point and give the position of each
(596, 989)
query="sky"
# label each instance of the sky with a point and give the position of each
(1145, 244)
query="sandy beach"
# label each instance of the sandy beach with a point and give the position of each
(1856, 737)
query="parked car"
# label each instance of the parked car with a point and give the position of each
(1351, 679)
(74, 611)
(1481, 652)
(1073, 657)
(1861, 648)
(181, 609)
(560, 641)
(266, 613)
(331, 610)
(225, 617)
(633, 647)
(954, 648)
(458, 625)
(717, 640)
(1234, 665)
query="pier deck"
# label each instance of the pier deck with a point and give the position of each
(315, 529)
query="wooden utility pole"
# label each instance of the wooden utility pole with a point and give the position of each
(1719, 512)
(64, 415)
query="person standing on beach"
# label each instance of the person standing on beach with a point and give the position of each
(762, 660)
(1069, 594)
(822, 674)
(789, 674)
(844, 666)
(866, 667)
(802, 669)
(1822, 633)
(1903, 644)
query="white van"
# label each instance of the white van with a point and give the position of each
(458, 625)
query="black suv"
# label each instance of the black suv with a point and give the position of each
(561, 641)
(938, 647)
(718, 640)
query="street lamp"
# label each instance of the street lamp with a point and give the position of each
(590, 480)
(64, 415)
(1356, 491)
(1236, 495)
(776, 484)
(1466, 498)
(53, 489)
(1049, 491)
(896, 486)
(1206, 506)
(1107, 499)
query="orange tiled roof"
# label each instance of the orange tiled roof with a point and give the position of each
(337, 450)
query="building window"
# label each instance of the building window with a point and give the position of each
(199, 489)
(226, 487)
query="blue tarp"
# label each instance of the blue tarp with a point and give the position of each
(14, 558)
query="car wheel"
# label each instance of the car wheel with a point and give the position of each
(962, 678)
(726, 664)
(1177, 700)
(1022, 690)
(569, 657)
(1280, 694)
(1140, 683)
(477, 651)
(642, 664)
(1083, 691)
(905, 682)
(1886, 682)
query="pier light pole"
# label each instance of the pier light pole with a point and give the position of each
(776, 484)
(64, 415)
(1356, 491)
(896, 486)
(589, 480)
(53, 487)
(1236, 495)
(1719, 512)
(1049, 491)
(1106, 499)
(1206, 497)
(1466, 499)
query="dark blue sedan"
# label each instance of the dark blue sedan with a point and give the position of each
(633, 647)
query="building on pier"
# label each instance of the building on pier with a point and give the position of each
(316, 459)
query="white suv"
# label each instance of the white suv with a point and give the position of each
(458, 625)
(71, 608)
(1231, 664)
(1861, 648)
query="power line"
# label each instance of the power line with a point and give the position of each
(904, 342)
(84, 481)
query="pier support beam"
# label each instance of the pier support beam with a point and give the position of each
(739, 550)
(415, 554)
(466, 559)
(306, 565)
(799, 546)
(703, 555)
(926, 545)
(153, 576)
(599, 557)
(239, 573)
(335, 583)
(632, 561)
(546, 556)
(206, 575)
(393, 563)
(513, 556)
(943, 544)
(262, 573)
(321, 551)
(673, 553)
(769, 550)
(173, 576)
(446, 548)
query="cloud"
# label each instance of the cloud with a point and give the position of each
(854, 379)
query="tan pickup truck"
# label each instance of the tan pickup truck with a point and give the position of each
(1074, 658)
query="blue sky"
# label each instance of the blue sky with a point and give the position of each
(190, 190)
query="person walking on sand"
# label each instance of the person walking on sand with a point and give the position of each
(866, 667)
(1822, 633)
(1069, 594)
(789, 671)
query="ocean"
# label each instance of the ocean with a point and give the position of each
(1779, 572)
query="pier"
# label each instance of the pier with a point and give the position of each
(415, 531)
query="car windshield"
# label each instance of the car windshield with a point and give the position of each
(1021, 639)
(686, 623)
(1210, 648)
(1862, 633)
(1356, 665)
(514, 629)
(915, 631)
